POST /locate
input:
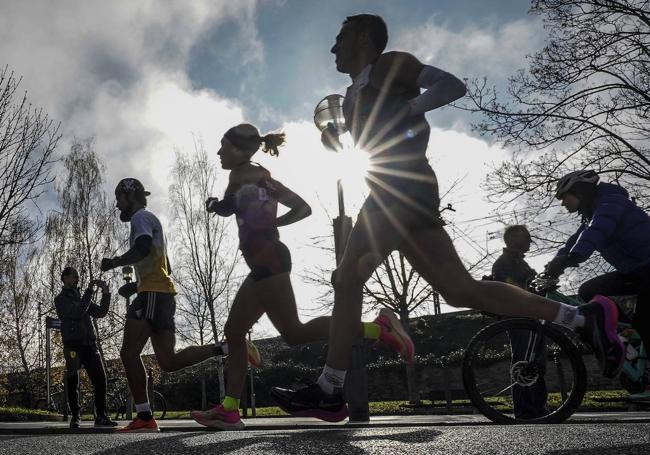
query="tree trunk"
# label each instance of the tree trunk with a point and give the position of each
(411, 376)
(411, 382)
(222, 385)
(204, 397)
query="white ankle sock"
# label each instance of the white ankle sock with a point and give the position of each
(569, 316)
(142, 407)
(331, 379)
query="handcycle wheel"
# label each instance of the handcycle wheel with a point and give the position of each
(57, 403)
(114, 407)
(548, 376)
(158, 404)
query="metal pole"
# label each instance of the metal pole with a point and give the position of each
(126, 274)
(250, 369)
(339, 191)
(342, 226)
(221, 377)
(64, 398)
(356, 383)
(129, 397)
(47, 366)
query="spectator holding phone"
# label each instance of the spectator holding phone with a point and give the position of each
(76, 313)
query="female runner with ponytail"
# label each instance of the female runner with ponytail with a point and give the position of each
(253, 196)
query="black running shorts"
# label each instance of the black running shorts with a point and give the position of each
(266, 258)
(157, 308)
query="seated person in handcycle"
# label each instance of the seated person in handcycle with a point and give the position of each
(619, 230)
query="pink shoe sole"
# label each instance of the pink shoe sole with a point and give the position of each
(396, 325)
(610, 311)
(202, 419)
(324, 415)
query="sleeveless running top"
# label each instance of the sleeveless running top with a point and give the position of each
(397, 149)
(256, 207)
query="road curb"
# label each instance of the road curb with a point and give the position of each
(45, 430)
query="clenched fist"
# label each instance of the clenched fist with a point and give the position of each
(107, 264)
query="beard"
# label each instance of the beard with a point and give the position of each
(126, 214)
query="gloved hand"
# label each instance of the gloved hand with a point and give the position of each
(556, 267)
(558, 264)
(107, 264)
(128, 290)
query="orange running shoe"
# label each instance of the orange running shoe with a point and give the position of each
(393, 334)
(138, 425)
(254, 357)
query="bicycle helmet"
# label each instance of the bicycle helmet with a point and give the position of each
(569, 180)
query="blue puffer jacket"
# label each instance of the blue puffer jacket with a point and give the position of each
(618, 229)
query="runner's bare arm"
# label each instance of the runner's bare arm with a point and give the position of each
(140, 250)
(396, 72)
(298, 208)
(224, 207)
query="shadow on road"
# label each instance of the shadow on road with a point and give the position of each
(290, 443)
(629, 449)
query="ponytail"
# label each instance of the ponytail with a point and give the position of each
(271, 143)
(246, 137)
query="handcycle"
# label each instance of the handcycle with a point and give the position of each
(116, 400)
(58, 401)
(118, 394)
(552, 363)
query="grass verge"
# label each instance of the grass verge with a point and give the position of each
(14, 414)
(604, 400)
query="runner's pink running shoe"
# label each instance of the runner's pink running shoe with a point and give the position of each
(218, 417)
(599, 331)
(254, 357)
(393, 334)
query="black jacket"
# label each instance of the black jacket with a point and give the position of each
(511, 268)
(75, 313)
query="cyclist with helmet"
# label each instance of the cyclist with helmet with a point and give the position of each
(384, 110)
(151, 314)
(253, 196)
(619, 230)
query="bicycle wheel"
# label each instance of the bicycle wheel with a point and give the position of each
(158, 404)
(88, 407)
(115, 407)
(524, 371)
(57, 403)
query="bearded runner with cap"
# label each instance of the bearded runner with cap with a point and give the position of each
(151, 314)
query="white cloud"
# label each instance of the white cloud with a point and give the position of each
(493, 50)
(117, 71)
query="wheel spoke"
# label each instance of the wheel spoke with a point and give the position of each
(518, 370)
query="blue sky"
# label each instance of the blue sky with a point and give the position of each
(144, 78)
(296, 36)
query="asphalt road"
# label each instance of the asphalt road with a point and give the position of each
(574, 439)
